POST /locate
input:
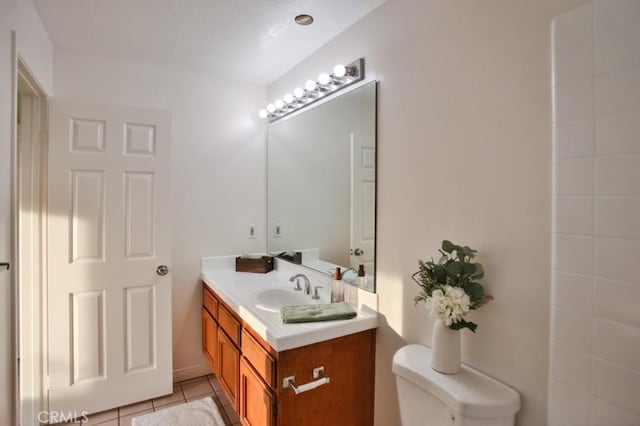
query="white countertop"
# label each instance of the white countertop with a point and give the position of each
(237, 288)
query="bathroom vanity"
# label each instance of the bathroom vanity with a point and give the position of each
(285, 374)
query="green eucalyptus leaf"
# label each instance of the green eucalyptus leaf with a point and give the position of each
(464, 324)
(475, 291)
(469, 268)
(448, 246)
(454, 268)
(479, 273)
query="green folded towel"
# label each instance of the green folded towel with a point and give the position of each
(312, 313)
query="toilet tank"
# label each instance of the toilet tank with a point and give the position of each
(469, 398)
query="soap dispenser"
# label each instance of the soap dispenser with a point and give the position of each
(361, 279)
(337, 287)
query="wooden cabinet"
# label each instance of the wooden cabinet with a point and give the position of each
(210, 339)
(349, 362)
(251, 373)
(228, 366)
(257, 401)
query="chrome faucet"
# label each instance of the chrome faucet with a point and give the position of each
(307, 283)
(347, 270)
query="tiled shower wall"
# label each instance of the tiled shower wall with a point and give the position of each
(595, 321)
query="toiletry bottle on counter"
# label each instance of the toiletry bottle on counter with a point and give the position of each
(351, 293)
(361, 280)
(337, 287)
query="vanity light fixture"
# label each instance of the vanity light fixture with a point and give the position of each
(324, 79)
(342, 76)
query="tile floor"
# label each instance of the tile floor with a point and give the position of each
(182, 392)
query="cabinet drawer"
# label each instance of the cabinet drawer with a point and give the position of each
(210, 302)
(259, 359)
(229, 324)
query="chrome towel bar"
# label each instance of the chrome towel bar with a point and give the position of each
(288, 382)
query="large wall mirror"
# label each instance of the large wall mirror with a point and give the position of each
(322, 185)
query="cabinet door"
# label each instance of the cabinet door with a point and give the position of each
(257, 402)
(228, 367)
(209, 340)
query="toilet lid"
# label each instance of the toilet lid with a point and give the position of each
(469, 393)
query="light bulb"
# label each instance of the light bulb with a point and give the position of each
(339, 70)
(288, 98)
(271, 108)
(263, 113)
(324, 78)
(298, 92)
(279, 103)
(310, 85)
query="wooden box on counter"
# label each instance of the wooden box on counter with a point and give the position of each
(260, 265)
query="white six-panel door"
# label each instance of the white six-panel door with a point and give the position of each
(109, 230)
(363, 200)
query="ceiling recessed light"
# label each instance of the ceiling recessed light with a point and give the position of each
(304, 19)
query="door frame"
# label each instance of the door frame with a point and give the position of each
(29, 235)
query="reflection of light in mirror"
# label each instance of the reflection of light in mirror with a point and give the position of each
(288, 98)
(310, 85)
(271, 108)
(279, 103)
(263, 113)
(298, 92)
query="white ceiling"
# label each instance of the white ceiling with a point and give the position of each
(252, 40)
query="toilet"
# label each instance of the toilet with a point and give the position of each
(469, 398)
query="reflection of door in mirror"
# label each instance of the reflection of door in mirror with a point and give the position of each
(363, 199)
(321, 183)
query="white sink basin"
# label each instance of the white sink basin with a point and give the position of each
(272, 299)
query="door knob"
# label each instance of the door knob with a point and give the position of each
(162, 270)
(357, 252)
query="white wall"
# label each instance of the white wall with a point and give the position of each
(595, 321)
(34, 46)
(218, 168)
(464, 153)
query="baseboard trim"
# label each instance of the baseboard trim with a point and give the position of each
(191, 372)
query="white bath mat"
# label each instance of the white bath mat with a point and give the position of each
(201, 412)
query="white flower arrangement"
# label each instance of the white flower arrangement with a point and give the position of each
(450, 286)
(450, 306)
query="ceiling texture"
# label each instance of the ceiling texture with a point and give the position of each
(249, 40)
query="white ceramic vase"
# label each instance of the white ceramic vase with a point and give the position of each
(445, 348)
